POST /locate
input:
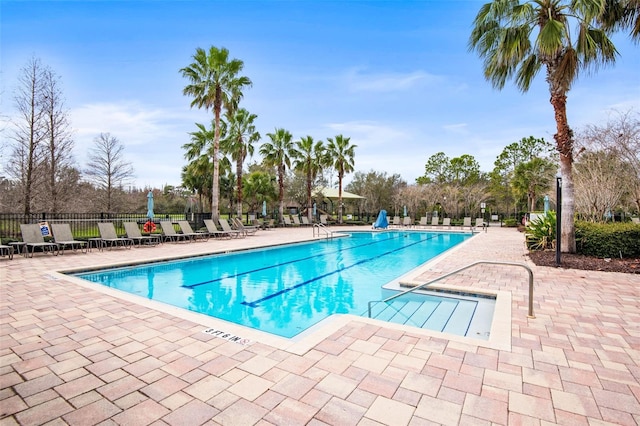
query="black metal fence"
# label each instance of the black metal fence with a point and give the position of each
(84, 225)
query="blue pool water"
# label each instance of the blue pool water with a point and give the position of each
(285, 289)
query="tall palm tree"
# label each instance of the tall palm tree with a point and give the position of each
(241, 134)
(310, 158)
(341, 154)
(214, 82)
(278, 153)
(517, 39)
(623, 14)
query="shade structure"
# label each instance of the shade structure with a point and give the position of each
(150, 205)
(332, 193)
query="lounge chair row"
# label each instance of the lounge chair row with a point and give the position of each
(435, 222)
(294, 220)
(33, 236)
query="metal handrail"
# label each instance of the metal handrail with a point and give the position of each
(480, 262)
(321, 227)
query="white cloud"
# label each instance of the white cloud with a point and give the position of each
(152, 137)
(358, 81)
(459, 128)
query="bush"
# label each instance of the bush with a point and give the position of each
(541, 232)
(510, 223)
(608, 240)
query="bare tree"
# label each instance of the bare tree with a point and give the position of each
(58, 157)
(28, 132)
(619, 137)
(107, 168)
(601, 182)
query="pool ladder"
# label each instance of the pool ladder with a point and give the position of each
(480, 262)
(319, 229)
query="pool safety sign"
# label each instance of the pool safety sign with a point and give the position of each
(227, 336)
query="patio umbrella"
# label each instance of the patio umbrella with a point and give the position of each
(314, 210)
(546, 204)
(405, 210)
(150, 205)
(264, 208)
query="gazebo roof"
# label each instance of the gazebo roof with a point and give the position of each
(332, 193)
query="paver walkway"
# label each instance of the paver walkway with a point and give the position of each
(73, 355)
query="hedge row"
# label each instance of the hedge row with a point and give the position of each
(608, 240)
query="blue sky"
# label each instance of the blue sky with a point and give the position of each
(394, 76)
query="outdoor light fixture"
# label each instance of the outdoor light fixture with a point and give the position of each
(558, 216)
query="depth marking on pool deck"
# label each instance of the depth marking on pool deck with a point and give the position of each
(255, 303)
(283, 263)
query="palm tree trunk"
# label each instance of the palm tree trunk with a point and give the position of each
(215, 186)
(239, 185)
(340, 197)
(309, 207)
(281, 192)
(564, 145)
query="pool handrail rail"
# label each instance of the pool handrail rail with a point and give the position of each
(530, 313)
(318, 227)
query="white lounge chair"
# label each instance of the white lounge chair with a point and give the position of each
(109, 238)
(133, 231)
(213, 230)
(227, 228)
(170, 233)
(63, 236)
(247, 230)
(32, 237)
(187, 230)
(480, 223)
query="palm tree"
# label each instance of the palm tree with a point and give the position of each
(214, 83)
(258, 187)
(517, 39)
(341, 154)
(278, 153)
(241, 134)
(310, 158)
(531, 178)
(622, 14)
(194, 177)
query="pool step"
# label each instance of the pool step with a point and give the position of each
(447, 315)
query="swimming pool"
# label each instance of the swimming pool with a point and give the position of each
(283, 290)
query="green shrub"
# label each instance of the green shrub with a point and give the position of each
(541, 232)
(510, 223)
(608, 239)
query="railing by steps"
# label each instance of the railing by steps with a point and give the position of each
(480, 262)
(319, 228)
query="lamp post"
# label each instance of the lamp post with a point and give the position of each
(558, 217)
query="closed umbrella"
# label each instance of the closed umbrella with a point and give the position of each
(405, 210)
(314, 210)
(546, 204)
(150, 205)
(264, 208)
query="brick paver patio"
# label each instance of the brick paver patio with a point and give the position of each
(72, 354)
